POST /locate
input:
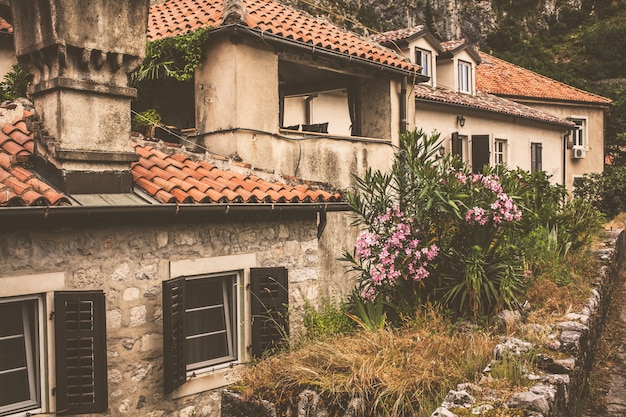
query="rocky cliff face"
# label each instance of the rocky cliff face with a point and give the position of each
(452, 19)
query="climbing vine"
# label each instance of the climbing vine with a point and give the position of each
(172, 58)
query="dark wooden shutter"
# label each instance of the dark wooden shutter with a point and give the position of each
(173, 334)
(536, 163)
(269, 306)
(81, 368)
(457, 145)
(480, 153)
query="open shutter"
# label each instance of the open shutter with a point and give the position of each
(480, 153)
(269, 305)
(173, 334)
(81, 368)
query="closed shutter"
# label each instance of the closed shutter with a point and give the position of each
(80, 334)
(173, 334)
(457, 145)
(269, 307)
(480, 153)
(536, 163)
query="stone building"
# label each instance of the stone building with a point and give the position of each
(137, 278)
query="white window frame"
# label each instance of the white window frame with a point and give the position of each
(464, 76)
(500, 149)
(423, 57)
(233, 317)
(35, 354)
(579, 133)
(42, 287)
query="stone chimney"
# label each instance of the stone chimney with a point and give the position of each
(80, 54)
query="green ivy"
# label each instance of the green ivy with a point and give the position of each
(172, 58)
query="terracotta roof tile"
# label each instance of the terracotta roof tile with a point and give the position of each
(187, 181)
(175, 17)
(398, 35)
(167, 178)
(19, 186)
(503, 78)
(486, 102)
(5, 27)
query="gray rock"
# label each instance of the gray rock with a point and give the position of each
(529, 401)
(443, 412)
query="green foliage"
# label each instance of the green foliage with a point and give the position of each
(327, 320)
(175, 57)
(14, 84)
(606, 191)
(145, 122)
(369, 314)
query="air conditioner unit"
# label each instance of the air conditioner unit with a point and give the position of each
(578, 152)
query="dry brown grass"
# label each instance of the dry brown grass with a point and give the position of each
(398, 372)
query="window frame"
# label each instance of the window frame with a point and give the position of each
(233, 317)
(423, 58)
(34, 354)
(500, 147)
(464, 76)
(579, 133)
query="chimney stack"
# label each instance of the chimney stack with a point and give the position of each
(80, 54)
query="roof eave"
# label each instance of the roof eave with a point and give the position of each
(565, 125)
(53, 214)
(553, 100)
(272, 38)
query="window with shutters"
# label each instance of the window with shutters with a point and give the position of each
(536, 157)
(580, 132)
(205, 321)
(20, 355)
(459, 145)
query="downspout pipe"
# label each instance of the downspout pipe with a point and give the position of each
(403, 122)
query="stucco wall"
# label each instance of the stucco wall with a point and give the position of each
(594, 158)
(130, 262)
(517, 132)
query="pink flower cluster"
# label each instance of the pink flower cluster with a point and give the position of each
(501, 209)
(393, 252)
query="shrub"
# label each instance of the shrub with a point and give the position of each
(327, 320)
(606, 192)
(435, 231)
(145, 122)
(14, 84)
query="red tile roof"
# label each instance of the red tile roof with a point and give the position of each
(179, 179)
(502, 78)
(175, 17)
(5, 27)
(398, 35)
(167, 178)
(19, 185)
(486, 102)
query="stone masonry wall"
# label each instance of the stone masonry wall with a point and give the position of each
(130, 262)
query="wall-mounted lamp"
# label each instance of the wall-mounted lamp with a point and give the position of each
(460, 120)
